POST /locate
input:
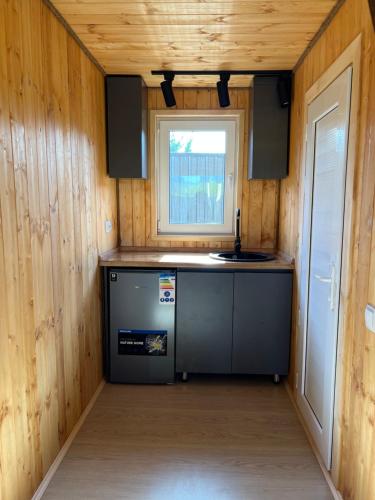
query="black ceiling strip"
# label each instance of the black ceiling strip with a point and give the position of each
(255, 72)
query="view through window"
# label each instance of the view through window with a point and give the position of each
(197, 177)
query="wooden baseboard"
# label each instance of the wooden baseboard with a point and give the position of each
(64, 450)
(336, 494)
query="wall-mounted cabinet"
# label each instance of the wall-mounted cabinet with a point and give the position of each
(269, 131)
(126, 102)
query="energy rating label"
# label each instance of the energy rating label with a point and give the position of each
(167, 289)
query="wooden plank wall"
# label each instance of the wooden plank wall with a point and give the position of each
(54, 197)
(260, 199)
(356, 470)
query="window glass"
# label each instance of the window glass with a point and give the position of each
(196, 176)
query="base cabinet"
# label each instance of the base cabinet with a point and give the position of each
(261, 323)
(233, 322)
(204, 311)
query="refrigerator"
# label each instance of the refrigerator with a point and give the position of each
(141, 326)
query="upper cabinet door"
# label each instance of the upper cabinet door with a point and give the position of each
(126, 101)
(269, 130)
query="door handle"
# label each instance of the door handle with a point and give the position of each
(331, 281)
(322, 279)
(331, 299)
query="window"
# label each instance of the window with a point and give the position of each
(196, 172)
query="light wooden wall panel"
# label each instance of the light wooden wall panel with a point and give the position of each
(54, 198)
(355, 473)
(260, 199)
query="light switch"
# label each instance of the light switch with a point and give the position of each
(108, 226)
(370, 318)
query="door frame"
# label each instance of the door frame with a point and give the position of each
(350, 57)
(322, 106)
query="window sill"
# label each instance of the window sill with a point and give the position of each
(193, 237)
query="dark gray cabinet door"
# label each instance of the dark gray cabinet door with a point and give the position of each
(126, 101)
(261, 322)
(269, 131)
(204, 322)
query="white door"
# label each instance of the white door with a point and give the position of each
(323, 224)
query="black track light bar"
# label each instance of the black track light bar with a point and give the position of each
(255, 72)
(283, 85)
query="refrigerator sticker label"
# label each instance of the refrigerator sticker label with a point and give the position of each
(167, 289)
(142, 342)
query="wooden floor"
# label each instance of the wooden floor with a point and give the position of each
(212, 438)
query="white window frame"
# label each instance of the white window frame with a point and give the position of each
(207, 121)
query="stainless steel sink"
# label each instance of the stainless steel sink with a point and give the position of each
(242, 256)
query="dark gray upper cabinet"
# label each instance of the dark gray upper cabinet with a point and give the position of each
(269, 131)
(126, 100)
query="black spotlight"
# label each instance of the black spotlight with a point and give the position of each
(167, 90)
(222, 90)
(284, 90)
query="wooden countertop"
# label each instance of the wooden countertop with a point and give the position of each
(183, 260)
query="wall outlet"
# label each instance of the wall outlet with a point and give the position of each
(370, 317)
(108, 226)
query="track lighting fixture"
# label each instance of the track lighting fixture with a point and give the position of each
(222, 89)
(166, 87)
(283, 86)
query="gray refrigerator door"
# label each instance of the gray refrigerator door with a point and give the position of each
(142, 332)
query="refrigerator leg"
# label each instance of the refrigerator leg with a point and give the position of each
(184, 376)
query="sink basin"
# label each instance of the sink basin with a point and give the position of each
(243, 256)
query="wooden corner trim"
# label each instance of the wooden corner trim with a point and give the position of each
(335, 492)
(319, 33)
(64, 450)
(371, 4)
(74, 35)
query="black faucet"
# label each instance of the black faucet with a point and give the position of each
(237, 240)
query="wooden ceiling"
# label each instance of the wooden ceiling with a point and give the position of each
(134, 37)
